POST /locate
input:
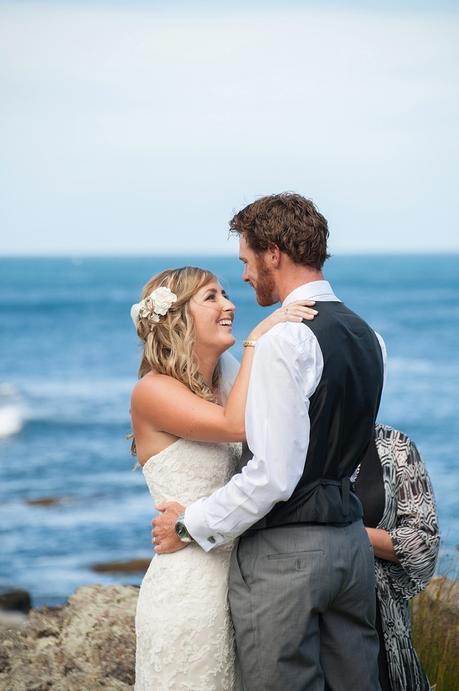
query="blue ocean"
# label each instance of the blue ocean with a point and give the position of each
(68, 360)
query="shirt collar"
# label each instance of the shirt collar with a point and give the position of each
(315, 290)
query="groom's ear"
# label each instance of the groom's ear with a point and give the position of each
(273, 255)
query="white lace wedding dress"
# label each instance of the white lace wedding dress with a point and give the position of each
(183, 625)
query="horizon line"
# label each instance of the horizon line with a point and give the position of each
(224, 255)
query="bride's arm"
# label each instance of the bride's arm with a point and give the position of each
(169, 406)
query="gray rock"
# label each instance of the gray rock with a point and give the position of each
(15, 600)
(86, 645)
(130, 566)
(44, 501)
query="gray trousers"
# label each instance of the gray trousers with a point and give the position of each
(303, 606)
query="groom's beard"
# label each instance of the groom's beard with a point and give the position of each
(264, 289)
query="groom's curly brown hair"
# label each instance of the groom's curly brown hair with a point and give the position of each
(289, 221)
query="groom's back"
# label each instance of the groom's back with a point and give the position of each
(344, 406)
(342, 414)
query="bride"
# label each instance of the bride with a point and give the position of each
(187, 416)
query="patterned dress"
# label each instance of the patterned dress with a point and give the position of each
(410, 518)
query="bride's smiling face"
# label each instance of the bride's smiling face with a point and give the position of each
(213, 315)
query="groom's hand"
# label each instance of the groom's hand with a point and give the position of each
(164, 537)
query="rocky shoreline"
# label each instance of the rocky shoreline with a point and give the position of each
(88, 644)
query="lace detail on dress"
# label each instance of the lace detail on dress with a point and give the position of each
(185, 638)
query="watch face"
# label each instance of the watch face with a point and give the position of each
(182, 532)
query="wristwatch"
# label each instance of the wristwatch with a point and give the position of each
(181, 530)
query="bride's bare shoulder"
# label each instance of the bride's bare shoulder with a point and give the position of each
(152, 387)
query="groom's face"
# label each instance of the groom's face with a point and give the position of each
(258, 274)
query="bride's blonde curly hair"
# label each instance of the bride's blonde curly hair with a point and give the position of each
(168, 344)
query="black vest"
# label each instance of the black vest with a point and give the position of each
(342, 413)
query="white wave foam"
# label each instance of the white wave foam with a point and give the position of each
(11, 420)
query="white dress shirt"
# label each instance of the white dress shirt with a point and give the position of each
(286, 370)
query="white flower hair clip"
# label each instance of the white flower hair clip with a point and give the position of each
(154, 306)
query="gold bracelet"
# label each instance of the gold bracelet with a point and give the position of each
(249, 344)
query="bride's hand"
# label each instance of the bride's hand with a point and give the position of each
(294, 312)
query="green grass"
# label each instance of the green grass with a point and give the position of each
(435, 631)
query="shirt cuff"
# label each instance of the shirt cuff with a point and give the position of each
(196, 524)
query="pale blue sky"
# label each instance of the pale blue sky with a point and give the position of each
(139, 127)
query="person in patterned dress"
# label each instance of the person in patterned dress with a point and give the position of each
(400, 516)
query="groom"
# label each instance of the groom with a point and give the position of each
(301, 582)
